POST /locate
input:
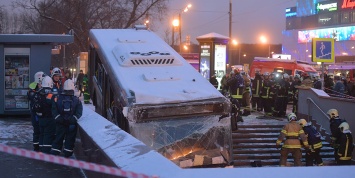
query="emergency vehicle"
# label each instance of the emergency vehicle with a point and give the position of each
(291, 67)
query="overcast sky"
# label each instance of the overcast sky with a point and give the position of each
(250, 18)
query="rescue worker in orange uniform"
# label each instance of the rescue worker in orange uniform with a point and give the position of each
(290, 135)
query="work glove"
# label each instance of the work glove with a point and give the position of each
(72, 120)
(278, 146)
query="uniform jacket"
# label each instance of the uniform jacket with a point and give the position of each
(236, 85)
(265, 89)
(290, 134)
(78, 110)
(257, 84)
(334, 128)
(308, 130)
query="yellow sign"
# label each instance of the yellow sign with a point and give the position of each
(323, 50)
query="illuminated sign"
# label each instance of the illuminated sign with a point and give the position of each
(220, 61)
(205, 61)
(326, 7)
(291, 12)
(338, 34)
(348, 4)
(281, 56)
(323, 50)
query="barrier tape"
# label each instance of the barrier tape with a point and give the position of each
(70, 162)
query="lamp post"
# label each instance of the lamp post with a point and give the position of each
(178, 23)
(264, 41)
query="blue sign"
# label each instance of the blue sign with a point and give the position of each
(323, 50)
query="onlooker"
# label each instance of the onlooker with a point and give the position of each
(79, 82)
(339, 87)
(214, 81)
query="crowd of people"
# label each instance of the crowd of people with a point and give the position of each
(55, 111)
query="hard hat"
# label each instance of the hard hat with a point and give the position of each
(56, 71)
(297, 76)
(69, 85)
(266, 74)
(302, 122)
(344, 126)
(291, 117)
(286, 75)
(330, 75)
(39, 76)
(333, 113)
(47, 82)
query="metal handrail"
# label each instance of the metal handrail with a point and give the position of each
(310, 99)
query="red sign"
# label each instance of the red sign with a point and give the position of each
(348, 4)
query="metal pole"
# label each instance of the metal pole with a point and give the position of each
(172, 37)
(322, 79)
(180, 23)
(230, 31)
(239, 53)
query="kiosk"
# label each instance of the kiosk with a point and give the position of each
(21, 56)
(213, 55)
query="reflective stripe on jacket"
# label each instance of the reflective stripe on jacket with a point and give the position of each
(290, 134)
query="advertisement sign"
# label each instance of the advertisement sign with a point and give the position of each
(338, 34)
(220, 61)
(327, 6)
(323, 50)
(291, 12)
(348, 4)
(205, 61)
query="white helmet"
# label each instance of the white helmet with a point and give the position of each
(291, 117)
(344, 126)
(330, 75)
(69, 85)
(333, 113)
(286, 75)
(56, 71)
(266, 74)
(39, 76)
(47, 82)
(297, 76)
(302, 122)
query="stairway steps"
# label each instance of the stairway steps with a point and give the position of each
(268, 150)
(255, 135)
(266, 130)
(272, 156)
(261, 126)
(245, 145)
(276, 162)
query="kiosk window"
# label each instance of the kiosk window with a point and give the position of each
(16, 82)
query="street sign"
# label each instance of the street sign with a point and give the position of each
(323, 50)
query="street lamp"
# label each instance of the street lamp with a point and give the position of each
(264, 41)
(179, 22)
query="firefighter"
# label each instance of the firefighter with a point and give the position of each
(257, 84)
(291, 134)
(281, 92)
(33, 88)
(67, 109)
(335, 122)
(56, 75)
(345, 145)
(246, 94)
(306, 80)
(266, 99)
(236, 87)
(42, 107)
(294, 92)
(314, 139)
(86, 89)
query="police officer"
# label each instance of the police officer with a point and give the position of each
(246, 94)
(291, 134)
(236, 88)
(266, 99)
(335, 122)
(42, 107)
(294, 92)
(33, 88)
(67, 109)
(56, 75)
(257, 84)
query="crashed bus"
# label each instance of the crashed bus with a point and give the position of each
(142, 85)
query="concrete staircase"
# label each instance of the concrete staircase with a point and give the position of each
(257, 142)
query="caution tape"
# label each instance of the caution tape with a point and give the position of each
(70, 162)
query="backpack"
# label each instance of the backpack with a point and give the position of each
(40, 105)
(313, 135)
(66, 105)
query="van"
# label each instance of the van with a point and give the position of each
(291, 67)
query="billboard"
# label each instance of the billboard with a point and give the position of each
(291, 12)
(205, 61)
(338, 34)
(327, 6)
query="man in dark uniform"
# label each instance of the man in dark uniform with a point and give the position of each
(335, 122)
(66, 109)
(236, 88)
(257, 84)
